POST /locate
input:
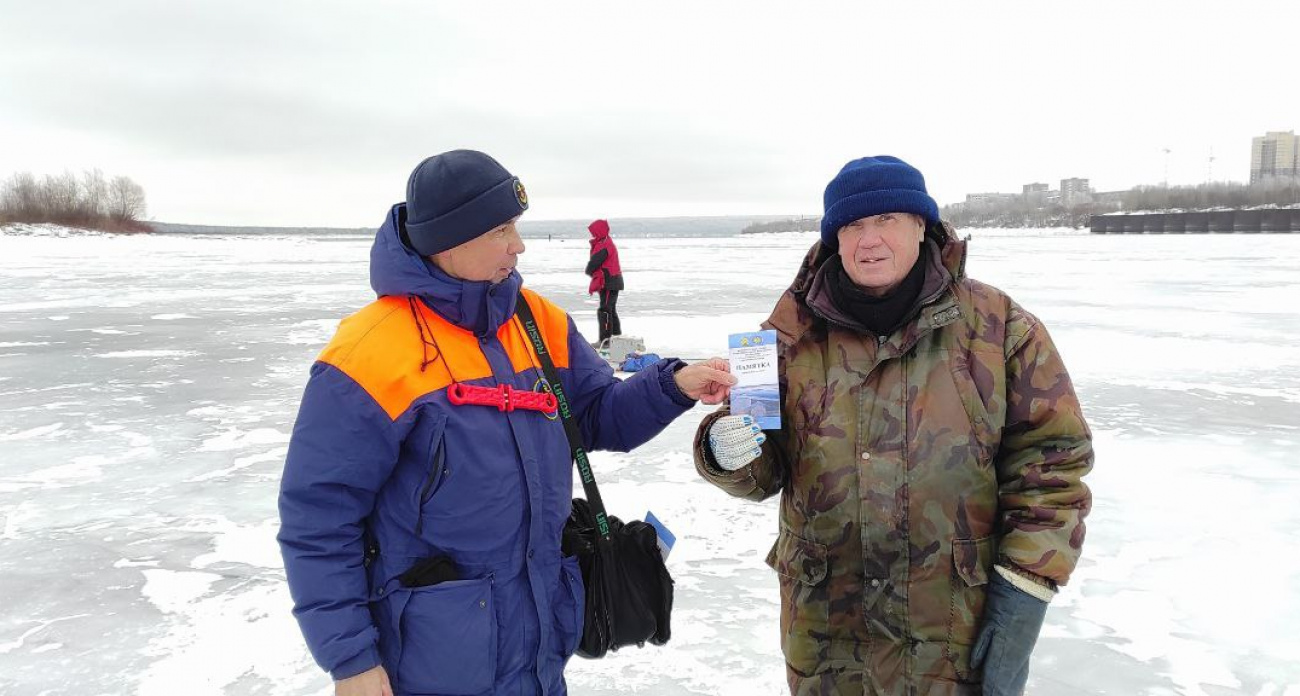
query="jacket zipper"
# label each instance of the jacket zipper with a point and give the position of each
(437, 473)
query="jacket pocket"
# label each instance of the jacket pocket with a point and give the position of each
(437, 471)
(972, 561)
(569, 606)
(448, 635)
(798, 559)
(985, 436)
(801, 565)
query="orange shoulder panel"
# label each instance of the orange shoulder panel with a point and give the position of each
(397, 358)
(384, 349)
(552, 321)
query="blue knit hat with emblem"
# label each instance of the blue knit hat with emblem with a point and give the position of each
(871, 186)
(456, 196)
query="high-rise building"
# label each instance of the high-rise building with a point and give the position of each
(1075, 191)
(1035, 194)
(1275, 154)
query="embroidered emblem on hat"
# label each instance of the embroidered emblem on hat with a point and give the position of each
(521, 195)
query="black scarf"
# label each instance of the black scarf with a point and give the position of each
(879, 315)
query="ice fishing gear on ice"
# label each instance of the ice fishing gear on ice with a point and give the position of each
(635, 362)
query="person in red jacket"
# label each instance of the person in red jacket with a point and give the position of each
(606, 278)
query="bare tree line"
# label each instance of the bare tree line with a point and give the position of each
(802, 224)
(1275, 191)
(1019, 211)
(90, 200)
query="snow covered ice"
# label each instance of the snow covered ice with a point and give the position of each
(148, 386)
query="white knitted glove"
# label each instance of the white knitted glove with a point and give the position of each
(735, 441)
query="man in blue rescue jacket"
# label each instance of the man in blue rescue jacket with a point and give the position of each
(421, 537)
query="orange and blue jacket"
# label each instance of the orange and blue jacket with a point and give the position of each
(383, 470)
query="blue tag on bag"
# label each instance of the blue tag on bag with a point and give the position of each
(665, 537)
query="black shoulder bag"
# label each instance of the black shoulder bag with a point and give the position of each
(629, 594)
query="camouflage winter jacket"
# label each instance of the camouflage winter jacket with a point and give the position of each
(909, 465)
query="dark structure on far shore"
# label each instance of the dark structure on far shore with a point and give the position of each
(1266, 220)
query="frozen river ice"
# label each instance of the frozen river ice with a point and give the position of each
(148, 387)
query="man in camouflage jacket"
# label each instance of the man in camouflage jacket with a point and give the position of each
(931, 470)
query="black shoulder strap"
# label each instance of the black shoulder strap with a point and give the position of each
(566, 415)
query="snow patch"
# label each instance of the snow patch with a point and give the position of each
(148, 354)
(235, 438)
(32, 433)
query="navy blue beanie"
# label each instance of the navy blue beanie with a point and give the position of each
(456, 196)
(871, 186)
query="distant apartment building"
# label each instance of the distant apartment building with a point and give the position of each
(1275, 154)
(983, 198)
(1075, 192)
(1035, 194)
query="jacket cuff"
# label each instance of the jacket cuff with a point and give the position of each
(668, 367)
(1037, 588)
(365, 660)
(705, 454)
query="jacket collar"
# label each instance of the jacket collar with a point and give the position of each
(476, 306)
(807, 301)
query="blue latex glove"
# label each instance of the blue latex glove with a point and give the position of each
(1012, 619)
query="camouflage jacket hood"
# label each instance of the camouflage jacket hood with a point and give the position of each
(908, 465)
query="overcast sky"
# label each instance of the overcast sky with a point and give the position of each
(313, 112)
